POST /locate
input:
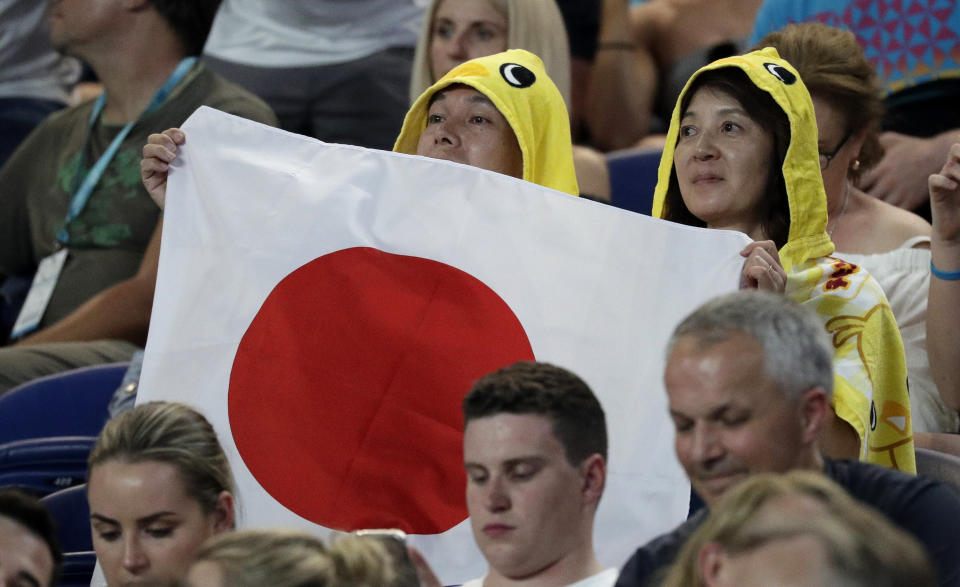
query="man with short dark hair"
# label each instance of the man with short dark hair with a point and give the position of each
(749, 379)
(535, 449)
(29, 551)
(71, 204)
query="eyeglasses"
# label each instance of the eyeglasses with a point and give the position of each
(825, 158)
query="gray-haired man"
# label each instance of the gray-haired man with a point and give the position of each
(749, 378)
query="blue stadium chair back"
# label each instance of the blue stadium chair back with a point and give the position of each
(72, 517)
(73, 403)
(633, 177)
(41, 466)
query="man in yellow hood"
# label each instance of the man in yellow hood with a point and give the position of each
(737, 118)
(514, 88)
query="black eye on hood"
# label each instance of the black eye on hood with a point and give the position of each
(517, 75)
(781, 73)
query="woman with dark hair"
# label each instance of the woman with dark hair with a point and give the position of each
(741, 154)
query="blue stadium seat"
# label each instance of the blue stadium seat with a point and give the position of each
(633, 177)
(41, 466)
(73, 403)
(72, 517)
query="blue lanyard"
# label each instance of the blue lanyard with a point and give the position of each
(82, 195)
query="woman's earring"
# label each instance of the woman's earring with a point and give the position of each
(856, 164)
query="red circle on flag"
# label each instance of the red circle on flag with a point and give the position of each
(345, 391)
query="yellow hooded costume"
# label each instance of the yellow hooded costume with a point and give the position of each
(870, 390)
(517, 84)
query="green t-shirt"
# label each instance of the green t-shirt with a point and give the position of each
(107, 240)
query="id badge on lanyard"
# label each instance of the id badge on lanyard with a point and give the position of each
(48, 272)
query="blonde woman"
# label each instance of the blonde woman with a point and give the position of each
(798, 528)
(159, 485)
(286, 558)
(455, 31)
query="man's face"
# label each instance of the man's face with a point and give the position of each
(464, 126)
(731, 420)
(25, 559)
(526, 501)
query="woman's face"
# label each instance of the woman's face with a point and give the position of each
(464, 30)
(146, 527)
(722, 160)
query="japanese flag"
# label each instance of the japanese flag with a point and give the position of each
(327, 307)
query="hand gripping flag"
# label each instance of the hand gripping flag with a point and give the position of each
(327, 307)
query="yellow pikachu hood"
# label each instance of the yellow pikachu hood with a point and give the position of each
(517, 84)
(870, 391)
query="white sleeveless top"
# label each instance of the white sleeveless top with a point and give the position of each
(304, 33)
(904, 275)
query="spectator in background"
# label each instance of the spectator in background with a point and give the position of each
(535, 450)
(70, 193)
(741, 154)
(749, 378)
(892, 243)
(798, 528)
(330, 69)
(623, 82)
(159, 485)
(285, 558)
(913, 46)
(672, 39)
(455, 31)
(29, 551)
(581, 18)
(34, 80)
(943, 319)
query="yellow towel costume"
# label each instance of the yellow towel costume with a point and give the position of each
(517, 84)
(870, 391)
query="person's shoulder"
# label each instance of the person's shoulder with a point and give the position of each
(605, 578)
(895, 224)
(885, 488)
(651, 19)
(64, 127)
(211, 89)
(658, 553)
(67, 117)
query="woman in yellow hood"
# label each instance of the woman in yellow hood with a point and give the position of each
(741, 154)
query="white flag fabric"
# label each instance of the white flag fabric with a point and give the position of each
(327, 307)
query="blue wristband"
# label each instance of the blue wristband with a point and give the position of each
(944, 275)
